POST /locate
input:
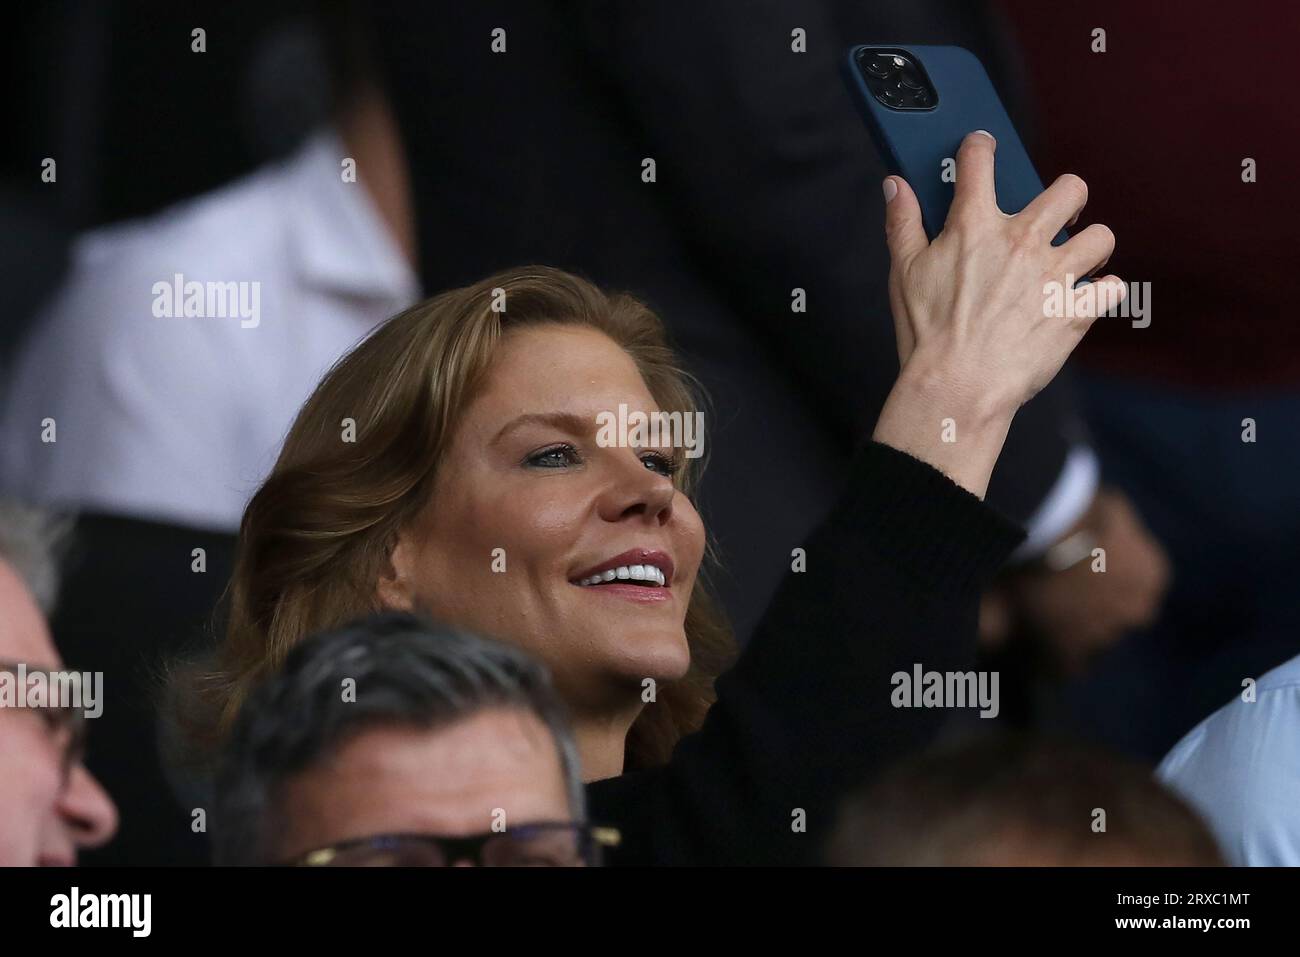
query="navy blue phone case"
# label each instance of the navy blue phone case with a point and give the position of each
(915, 143)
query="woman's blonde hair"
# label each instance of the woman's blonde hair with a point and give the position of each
(317, 534)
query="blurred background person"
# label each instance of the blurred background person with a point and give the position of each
(156, 428)
(1008, 800)
(395, 742)
(1240, 768)
(50, 806)
(1196, 415)
(175, 418)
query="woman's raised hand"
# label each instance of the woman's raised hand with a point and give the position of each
(986, 314)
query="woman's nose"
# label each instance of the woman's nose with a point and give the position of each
(86, 809)
(636, 490)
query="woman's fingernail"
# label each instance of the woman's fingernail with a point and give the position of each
(989, 135)
(891, 189)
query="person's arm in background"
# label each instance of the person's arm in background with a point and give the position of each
(769, 170)
(809, 710)
(1062, 599)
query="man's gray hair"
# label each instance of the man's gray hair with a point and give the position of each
(31, 541)
(407, 671)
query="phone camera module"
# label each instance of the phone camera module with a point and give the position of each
(880, 66)
(897, 80)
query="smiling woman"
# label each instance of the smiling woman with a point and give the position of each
(476, 490)
(476, 430)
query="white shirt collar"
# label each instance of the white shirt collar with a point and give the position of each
(341, 243)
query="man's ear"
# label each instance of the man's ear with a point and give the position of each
(395, 588)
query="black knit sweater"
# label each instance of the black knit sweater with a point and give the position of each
(893, 580)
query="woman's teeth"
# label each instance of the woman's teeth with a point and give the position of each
(650, 574)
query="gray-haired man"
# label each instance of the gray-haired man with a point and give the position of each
(392, 741)
(50, 806)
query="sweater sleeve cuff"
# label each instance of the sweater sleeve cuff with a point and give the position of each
(936, 532)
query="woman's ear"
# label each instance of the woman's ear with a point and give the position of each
(395, 589)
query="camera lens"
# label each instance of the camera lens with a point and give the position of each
(910, 82)
(881, 66)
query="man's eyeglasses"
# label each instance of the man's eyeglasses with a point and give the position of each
(65, 724)
(547, 844)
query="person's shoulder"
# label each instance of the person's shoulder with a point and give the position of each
(1268, 704)
(101, 325)
(1240, 766)
(1258, 731)
(233, 227)
(237, 232)
(1271, 716)
(1285, 678)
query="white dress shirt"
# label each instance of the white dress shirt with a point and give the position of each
(180, 419)
(1240, 768)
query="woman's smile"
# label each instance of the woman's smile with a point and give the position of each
(638, 575)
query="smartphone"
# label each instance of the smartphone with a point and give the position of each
(919, 102)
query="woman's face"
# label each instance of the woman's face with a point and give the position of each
(528, 510)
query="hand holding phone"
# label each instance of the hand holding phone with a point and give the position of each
(975, 245)
(918, 102)
(975, 339)
(975, 301)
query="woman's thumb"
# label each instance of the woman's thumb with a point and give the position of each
(903, 228)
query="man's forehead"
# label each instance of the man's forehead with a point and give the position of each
(24, 635)
(454, 779)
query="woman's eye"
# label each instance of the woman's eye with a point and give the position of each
(658, 462)
(556, 457)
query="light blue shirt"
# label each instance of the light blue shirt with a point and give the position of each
(1240, 768)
